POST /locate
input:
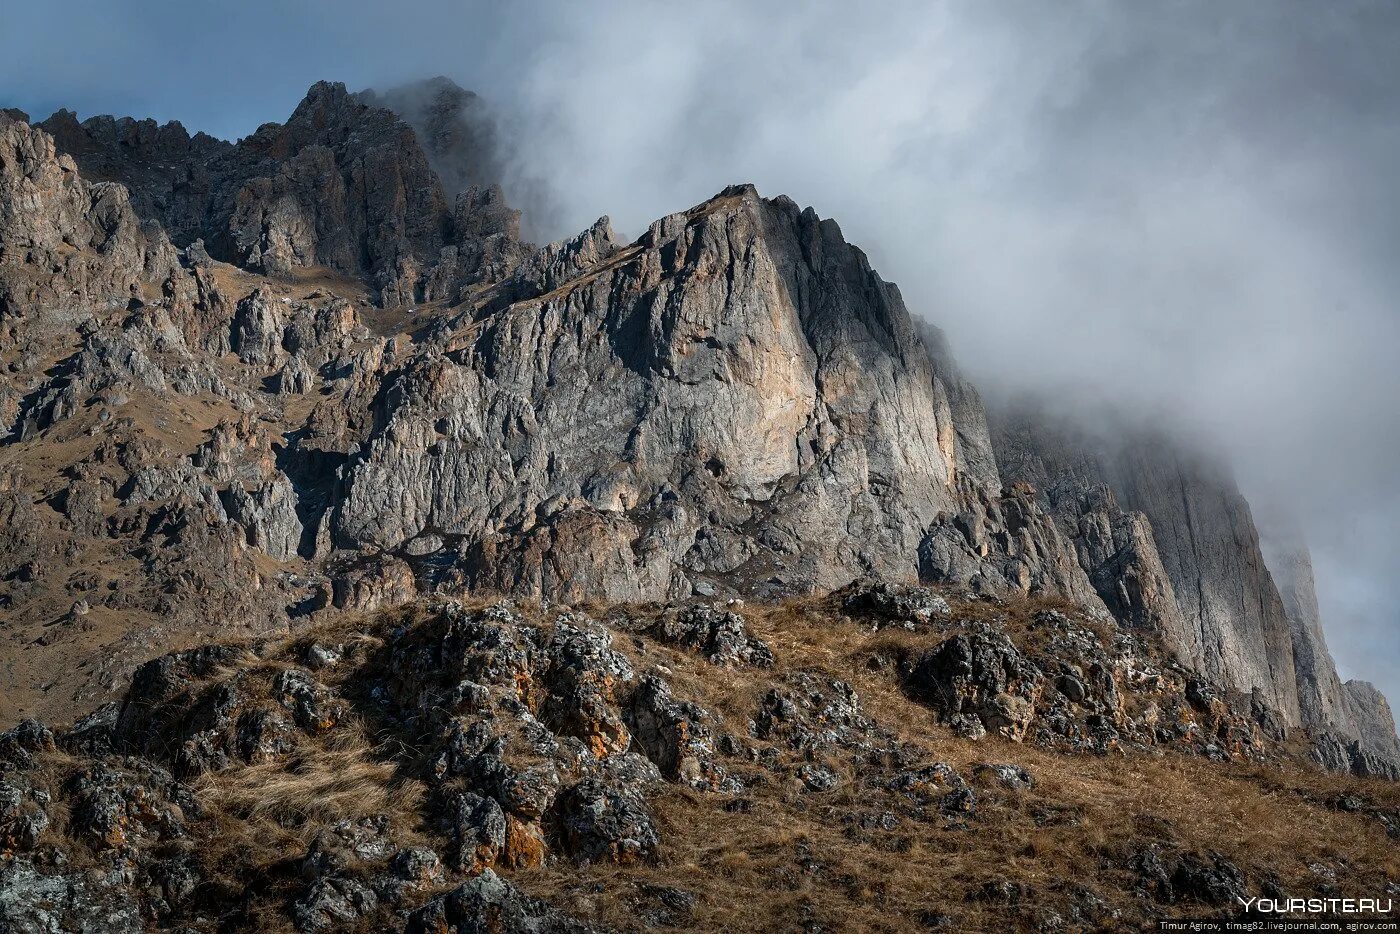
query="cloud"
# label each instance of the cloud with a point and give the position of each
(1189, 207)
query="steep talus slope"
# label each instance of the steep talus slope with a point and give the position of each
(335, 391)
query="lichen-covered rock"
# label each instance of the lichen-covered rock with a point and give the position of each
(463, 658)
(415, 867)
(36, 902)
(1004, 774)
(981, 675)
(1173, 876)
(927, 783)
(160, 693)
(488, 904)
(819, 717)
(333, 903)
(22, 742)
(525, 844)
(477, 827)
(346, 845)
(674, 734)
(314, 710)
(23, 818)
(892, 602)
(721, 636)
(529, 792)
(584, 679)
(598, 823)
(818, 777)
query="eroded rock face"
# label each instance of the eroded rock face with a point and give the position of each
(350, 189)
(981, 676)
(344, 184)
(67, 244)
(454, 128)
(1352, 709)
(1375, 723)
(1206, 538)
(797, 336)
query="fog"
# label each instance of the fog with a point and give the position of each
(1189, 208)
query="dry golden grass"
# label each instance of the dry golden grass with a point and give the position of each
(788, 858)
(316, 786)
(260, 819)
(1078, 827)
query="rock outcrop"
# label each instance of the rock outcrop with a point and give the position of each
(67, 245)
(474, 767)
(764, 390)
(1353, 709)
(455, 129)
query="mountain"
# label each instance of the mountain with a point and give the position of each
(280, 413)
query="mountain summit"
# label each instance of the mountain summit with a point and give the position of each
(307, 381)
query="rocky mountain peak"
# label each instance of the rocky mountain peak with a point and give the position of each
(344, 184)
(455, 128)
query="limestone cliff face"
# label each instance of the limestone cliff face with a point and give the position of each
(1321, 700)
(171, 176)
(1115, 547)
(1210, 549)
(1373, 719)
(735, 397)
(1170, 544)
(344, 184)
(453, 127)
(65, 243)
(1354, 709)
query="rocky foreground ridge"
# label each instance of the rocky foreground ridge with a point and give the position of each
(885, 758)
